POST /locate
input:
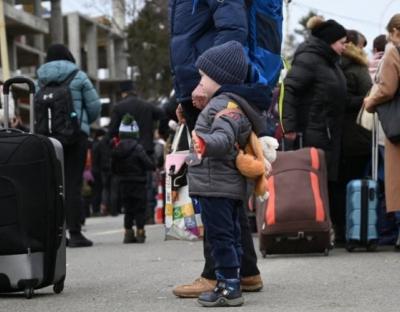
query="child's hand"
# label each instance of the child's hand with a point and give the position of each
(199, 97)
(115, 141)
(198, 144)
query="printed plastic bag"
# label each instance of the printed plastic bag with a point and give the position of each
(182, 215)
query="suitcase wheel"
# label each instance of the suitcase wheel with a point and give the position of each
(350, 247)
(372, 246)
(28, 292)
(264, 253)
(58, 287)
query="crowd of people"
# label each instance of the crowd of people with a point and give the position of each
(330, 80)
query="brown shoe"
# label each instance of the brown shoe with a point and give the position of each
(194, 290)
(251, 283)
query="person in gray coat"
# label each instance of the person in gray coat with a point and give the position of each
(214, 180)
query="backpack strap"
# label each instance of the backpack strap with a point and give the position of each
(70, 77)
(226, 111)
(66, 82)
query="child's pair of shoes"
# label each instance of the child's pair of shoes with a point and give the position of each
(130, 236)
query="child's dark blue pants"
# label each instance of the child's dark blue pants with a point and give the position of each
(221, 221)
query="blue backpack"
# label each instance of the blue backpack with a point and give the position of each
(264, 40)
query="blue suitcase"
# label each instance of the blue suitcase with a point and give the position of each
(361, 214)
(362, 202)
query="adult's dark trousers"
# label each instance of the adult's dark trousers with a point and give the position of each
(150, 197)
(106, 189)
(74, 164)
(191, 113)
(97, 192)
(134, 201)
(115, 196)
(351, 168)
(248, 266)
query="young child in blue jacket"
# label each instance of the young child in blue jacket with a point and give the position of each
(214, 180)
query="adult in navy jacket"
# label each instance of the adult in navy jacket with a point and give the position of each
(197, 25)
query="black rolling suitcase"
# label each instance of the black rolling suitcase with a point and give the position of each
(32, 210)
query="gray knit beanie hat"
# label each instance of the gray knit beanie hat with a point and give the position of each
(225, 64)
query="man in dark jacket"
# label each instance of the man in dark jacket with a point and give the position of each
(195, 27)
(146, 115)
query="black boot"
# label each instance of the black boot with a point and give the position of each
(397, 245)
(227, 293)
(76, 239)
(129, 236)
(141, 236)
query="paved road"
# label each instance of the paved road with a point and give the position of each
(112, 277)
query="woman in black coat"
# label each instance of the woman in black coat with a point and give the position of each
(315, 95)
(315, 91)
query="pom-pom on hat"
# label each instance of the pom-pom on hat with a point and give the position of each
(329, 31)
(128, 128)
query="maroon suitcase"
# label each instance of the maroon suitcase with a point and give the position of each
(295, 218)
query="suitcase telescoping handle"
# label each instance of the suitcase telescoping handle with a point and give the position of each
(299, 139)
(6, 91)
(375, 148)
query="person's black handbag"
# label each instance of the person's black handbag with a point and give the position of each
(389, 116)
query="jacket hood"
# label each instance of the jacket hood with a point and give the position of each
(124, 148)
(317, 46)
(256, 94)
(353, 54)
(55, 71)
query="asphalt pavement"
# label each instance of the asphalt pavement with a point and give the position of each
(112, 277)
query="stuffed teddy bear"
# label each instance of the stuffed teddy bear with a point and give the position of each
(252, 164)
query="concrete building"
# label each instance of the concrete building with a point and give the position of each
(98, 45)
(100, 51)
